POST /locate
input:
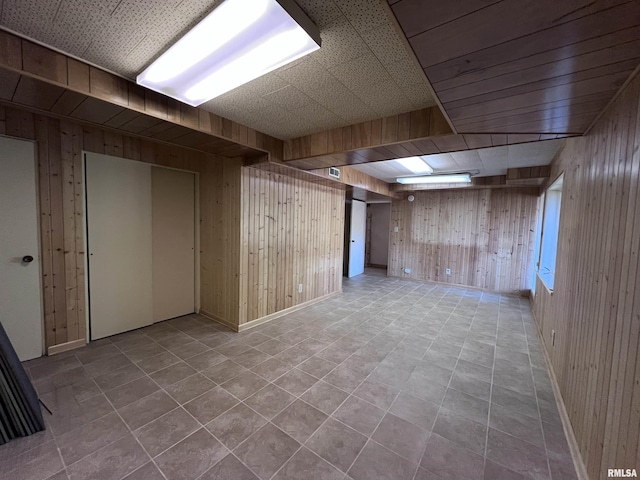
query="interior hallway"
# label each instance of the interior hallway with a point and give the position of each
(392, 379)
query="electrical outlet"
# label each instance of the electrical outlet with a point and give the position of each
(447, 271)
(395, 229)
(300, 288)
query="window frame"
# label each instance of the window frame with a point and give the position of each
(550, 234)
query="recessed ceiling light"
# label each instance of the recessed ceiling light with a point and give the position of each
(238, 41)
(454, 178)
(415, 164)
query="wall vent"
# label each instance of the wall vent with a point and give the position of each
(334, 172)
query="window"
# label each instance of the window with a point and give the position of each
(550, 230)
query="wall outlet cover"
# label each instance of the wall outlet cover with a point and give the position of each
(447, 271)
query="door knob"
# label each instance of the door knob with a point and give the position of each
(27, 259)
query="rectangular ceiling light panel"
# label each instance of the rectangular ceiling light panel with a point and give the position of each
(454, 178)
(415, 164)
(238, 41)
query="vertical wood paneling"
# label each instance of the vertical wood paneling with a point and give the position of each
(292, 234)
(595, 308)
(61, 195)
(483, 236)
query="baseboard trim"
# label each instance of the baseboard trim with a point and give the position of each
(521, 293)
(578, 462)
(219, 320)
(267, 318)
(286, 311)
(65, 347)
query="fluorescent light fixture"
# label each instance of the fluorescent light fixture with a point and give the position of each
(454, 178)
(415, 164)
(238, 41)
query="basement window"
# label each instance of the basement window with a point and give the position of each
(550, 231)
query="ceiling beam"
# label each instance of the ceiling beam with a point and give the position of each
(37, 77)
(524, 177)
(421, 132)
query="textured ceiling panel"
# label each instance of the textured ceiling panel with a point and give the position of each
(364, 69)
(482, 163)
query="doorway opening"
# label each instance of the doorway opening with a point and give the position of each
(377, 237)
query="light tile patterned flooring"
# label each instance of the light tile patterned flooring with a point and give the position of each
(390, 380)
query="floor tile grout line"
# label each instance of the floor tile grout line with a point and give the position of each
(535, 389)
(405, 329)
(486, 441)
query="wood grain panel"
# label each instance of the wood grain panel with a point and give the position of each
(485, 236)
(426, 132)
(107, 95)
(498, 56)
(61, 195)
(355, 178)
(595, 307)
(292, 233)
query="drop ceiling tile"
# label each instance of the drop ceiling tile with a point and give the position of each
(441, 162)
(483, 162)
(261, 86)
(385, 98)
(124, 36)
(494, 156)
(405, 73)
(289, 98)
(177, 21)
(361, 15)
(386, 45)
(469, 160)
(323, 12)
(419, 95)
(340, 44)
(318, 114)
(28, 17)
(341, 101)
(361, 72)
(307, 76)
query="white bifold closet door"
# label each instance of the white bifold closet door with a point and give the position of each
(119, 244)
(140, 238)
(173, 199)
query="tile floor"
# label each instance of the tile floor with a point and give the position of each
(390, 380)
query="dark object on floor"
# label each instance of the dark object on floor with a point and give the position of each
(20, 413)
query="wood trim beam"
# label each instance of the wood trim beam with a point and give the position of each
(515, 178)
(80, 84)
(421, 132)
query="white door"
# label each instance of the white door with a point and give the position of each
(173, 203)
(20, 290)
(357, 239)
(119, 244)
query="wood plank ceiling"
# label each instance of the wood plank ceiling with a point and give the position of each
(519, 66)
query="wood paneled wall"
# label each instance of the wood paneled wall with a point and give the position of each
(292, 233)
(356, 178)
(36, 76)
(486, 237)
(59, 154)
(220, 239)
(595, 308)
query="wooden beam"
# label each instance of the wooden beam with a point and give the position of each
(421, 132)
(100, 96)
